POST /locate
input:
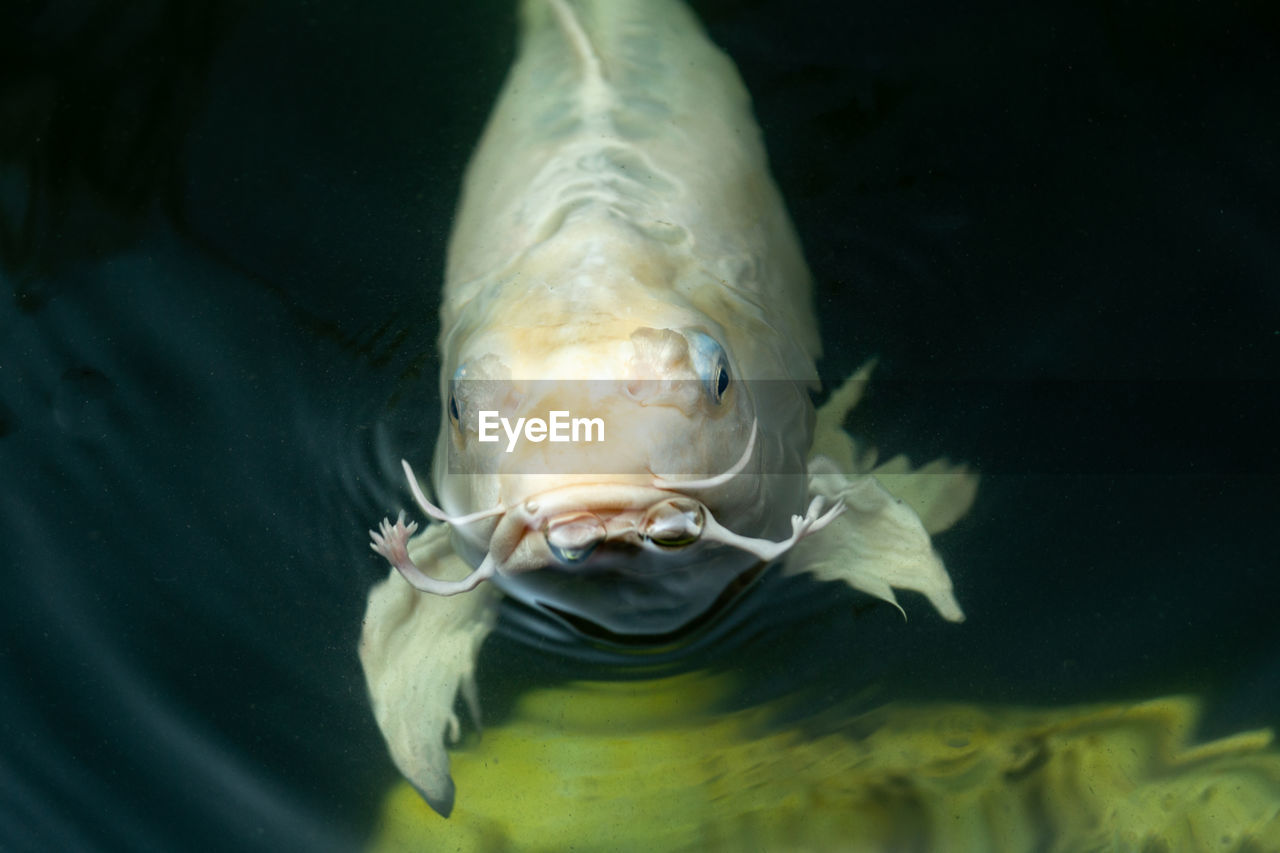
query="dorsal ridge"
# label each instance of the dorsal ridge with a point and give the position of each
(592, 68)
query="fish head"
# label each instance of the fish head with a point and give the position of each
(605, 454)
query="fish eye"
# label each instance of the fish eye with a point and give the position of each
(711, 363)
(455, 410)
(722, 381)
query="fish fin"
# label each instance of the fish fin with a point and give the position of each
(418, 651)
(829, 436)
(878, 544)
(940, 492)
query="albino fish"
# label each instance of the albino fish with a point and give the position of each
(628, 346)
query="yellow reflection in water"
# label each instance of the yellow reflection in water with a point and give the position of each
(654, 765)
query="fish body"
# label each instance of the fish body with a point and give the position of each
(621, 253)
(618, 213)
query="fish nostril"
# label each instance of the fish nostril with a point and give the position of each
(573, 538)
(673, 523)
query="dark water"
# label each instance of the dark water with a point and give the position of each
(223, 227)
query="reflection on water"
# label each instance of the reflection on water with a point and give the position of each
(200, 415)
(666, 764)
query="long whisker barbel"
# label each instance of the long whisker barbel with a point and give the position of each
(719, 479)
(440, 515)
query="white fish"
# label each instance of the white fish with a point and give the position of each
(621, 253)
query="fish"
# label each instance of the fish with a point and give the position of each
(621, 258)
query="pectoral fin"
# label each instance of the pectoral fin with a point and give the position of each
(881, 542)
(940, 492)
(877, 545)
(418, 652)
(829, 436)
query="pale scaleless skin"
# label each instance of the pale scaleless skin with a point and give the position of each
(620, 249)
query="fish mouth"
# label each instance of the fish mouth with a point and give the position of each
(594, 527)
(574, 521)
(566, 525)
